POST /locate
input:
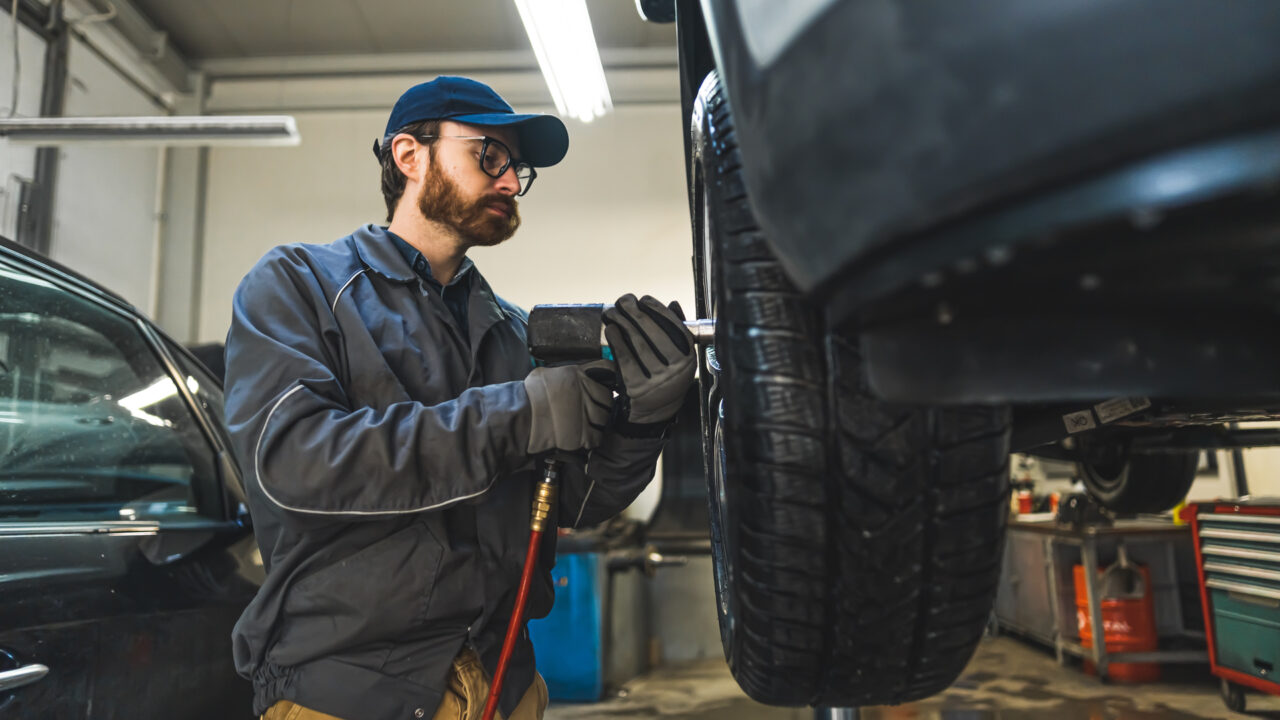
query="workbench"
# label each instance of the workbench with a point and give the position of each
(1036, 596)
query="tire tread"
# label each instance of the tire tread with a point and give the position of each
(869, 535)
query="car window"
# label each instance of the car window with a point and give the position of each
(91, 425)
(206, 390)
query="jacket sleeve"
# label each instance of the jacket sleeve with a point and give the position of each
(305, 446)
(617, 471)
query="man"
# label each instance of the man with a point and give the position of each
(382, 402)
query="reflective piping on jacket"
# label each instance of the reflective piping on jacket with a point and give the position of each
(583, 509)
(257, 466)
(334, 307)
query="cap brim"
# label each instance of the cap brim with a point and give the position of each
(544, 140)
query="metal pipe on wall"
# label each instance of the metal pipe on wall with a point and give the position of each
(37, 234)
(159, 224)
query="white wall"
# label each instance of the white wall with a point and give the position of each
(17, 162)
(611, 218)
(1211, 486)
(178, 288)
(1262, 466)
(105, 201)
(106, 209)
(1262, 471)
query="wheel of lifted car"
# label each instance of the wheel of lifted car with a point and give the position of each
(1129, 482)
(856, 545)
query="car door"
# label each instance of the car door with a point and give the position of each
(122, 569)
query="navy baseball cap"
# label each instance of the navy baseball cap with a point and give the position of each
(543, 138)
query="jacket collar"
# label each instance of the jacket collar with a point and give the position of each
(413, 256)
(375, 248)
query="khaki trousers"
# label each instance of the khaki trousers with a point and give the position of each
(463, 699)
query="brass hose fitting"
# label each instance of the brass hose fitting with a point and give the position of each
(545, 496)
(542, 503)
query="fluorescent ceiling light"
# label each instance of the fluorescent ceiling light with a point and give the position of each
(561, 35)
(161, 130)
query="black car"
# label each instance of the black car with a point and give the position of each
(932, 232)
(127, 555)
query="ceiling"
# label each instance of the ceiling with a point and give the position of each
(223, 29)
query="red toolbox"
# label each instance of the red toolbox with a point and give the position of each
(1238, 558)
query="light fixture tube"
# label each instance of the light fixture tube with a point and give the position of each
(159, 130)
(562, 39)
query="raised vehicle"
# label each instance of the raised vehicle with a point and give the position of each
(935, 232)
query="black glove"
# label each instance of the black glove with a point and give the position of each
(571, 405)
(656, 362)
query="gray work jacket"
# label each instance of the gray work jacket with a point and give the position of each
(385, 467)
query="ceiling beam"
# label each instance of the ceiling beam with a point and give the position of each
(524, 89)
(421, 63)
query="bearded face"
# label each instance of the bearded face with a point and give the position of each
(442, 201)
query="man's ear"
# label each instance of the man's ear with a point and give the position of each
(410, 157)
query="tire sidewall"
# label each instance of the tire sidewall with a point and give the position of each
(721, 498)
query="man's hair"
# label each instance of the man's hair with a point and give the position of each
(393, 181)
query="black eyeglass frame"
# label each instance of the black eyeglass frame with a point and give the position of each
(484, 150)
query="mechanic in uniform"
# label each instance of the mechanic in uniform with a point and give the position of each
(385, 409)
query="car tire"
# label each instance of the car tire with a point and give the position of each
(856, 545)
(1128, 482)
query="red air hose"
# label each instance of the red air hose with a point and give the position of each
(542, 502)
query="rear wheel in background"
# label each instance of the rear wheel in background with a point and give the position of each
(856, 544)
(1130, 482)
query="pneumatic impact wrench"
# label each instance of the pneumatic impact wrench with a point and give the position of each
(558, 334)
(575, 333)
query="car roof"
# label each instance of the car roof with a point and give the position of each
(25, 255)
(13, 250)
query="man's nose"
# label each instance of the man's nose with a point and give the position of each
(507, 183)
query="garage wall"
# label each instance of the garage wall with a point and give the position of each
(105, 204)
(611, 218)
(1262, 470)
(17, 163)
(1262, 466)
(1209, 485)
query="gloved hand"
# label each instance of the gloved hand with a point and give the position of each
(570, 404)
(655, 354)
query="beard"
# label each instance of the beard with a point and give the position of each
(441, 201)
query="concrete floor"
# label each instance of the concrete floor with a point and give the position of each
(1006, 680)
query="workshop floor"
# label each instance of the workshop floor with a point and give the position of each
(1006, 680)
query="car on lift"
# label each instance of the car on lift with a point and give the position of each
(125, 551)
(932, 233)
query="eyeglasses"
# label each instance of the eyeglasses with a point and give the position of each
(495, 157)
